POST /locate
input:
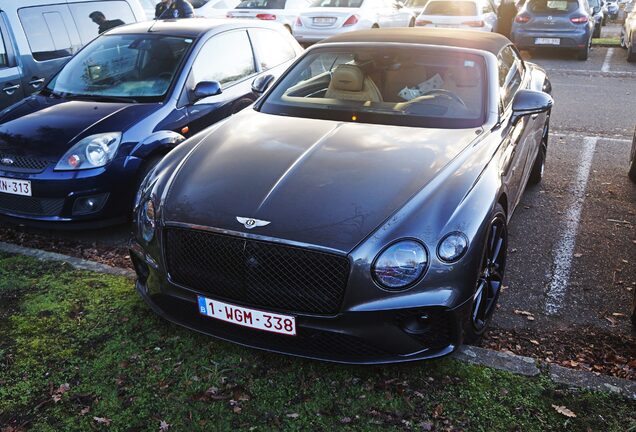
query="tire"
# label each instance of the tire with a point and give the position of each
(412, 22)
(584, 53)
(631, 55)
(597, 31)
(623, 44)
(539, 164)
(374, 26)
(632, 164)
(490, 277)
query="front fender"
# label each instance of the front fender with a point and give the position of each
(160, 141)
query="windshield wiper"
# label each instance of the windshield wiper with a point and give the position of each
(100, 98)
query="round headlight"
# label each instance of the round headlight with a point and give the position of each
(452, 247)
(400, 265)
(147, 220)
(97, 153)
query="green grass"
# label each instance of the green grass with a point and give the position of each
(127, 366)
(615, 41)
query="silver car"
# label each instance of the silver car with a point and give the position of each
(330, 17)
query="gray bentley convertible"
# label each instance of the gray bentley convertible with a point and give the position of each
(358, 211)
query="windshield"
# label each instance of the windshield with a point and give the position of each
(426, 87)
(451, 8)
(261, 4)
(555, 6)
(137, 67)
(337, 3)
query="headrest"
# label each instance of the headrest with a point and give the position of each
(347, 78)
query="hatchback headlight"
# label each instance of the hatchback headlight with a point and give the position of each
(452, 247)
(91, 152)
(400, 265)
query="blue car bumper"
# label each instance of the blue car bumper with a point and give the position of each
(98, 196)
(525, 39)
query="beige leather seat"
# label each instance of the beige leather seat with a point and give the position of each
(349, 83)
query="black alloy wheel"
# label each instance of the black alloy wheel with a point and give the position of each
(632, 162)
(490, 277)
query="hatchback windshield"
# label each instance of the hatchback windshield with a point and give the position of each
(427, 87)
(337, 3)
(553, 6)
(136, 67)
(451, 8)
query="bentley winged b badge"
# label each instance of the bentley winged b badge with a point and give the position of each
(250, 223)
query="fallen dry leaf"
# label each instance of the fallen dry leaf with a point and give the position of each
(103, 420)
(618, 314)
(534, 342)
(563, 411)
(293, 415)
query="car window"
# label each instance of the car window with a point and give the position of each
(226, 58)
(271, 47)
(261, 4)
(510, 75)
(4, 59)
(337, 3)
(141, 67)
(95, 18)
(554, 6)
(46, 33)
(451, 8)
(420, 87)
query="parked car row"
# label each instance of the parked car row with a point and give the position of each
(628, 32)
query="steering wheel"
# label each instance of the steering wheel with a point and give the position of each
(447, 94)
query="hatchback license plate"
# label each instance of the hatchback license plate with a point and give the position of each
(547, 41)
(15, 187)
(252, 318)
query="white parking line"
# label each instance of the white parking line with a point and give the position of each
(577, 137)
(563, 252)
(608, 58)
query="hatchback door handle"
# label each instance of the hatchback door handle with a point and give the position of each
(36, 82)
(11, 89)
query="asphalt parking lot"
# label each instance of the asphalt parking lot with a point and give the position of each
(572, 253)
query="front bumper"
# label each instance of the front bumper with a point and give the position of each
(360, 336)
(56, 195)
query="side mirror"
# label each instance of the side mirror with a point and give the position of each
(528, 102)
(262, 83)
(206, 89)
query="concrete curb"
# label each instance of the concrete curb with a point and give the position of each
(78, 263)
(516, 364)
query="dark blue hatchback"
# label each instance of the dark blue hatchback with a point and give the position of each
(75, 153)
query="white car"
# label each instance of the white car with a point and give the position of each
(215, 8)
(282, 11)
(471, 14)
(329, 17)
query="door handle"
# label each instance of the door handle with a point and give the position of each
(36, 82)
(11, 89)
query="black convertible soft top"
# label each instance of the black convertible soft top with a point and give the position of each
(492, 42)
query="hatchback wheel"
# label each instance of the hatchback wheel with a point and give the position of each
(490, 277)
(631, 55)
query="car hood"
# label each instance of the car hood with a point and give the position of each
(47, 128)
(317, 182)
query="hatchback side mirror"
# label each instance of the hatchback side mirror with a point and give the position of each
(528, 102)
(206, 89)
(262, 83)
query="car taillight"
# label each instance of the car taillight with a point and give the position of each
(579, 19)
(353, 19)
(266, 17)
(522, 19)
(474, 23)
(298, 22)
(423, 22)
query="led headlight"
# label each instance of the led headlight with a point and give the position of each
(400, 265)
(91, 152)
(452, 247)
(147, 220)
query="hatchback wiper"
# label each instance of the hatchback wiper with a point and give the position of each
(100, 98)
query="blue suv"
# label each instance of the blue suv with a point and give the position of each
(555, 24)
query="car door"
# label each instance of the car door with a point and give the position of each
(10, 77)
(227, 58)
(518, 138)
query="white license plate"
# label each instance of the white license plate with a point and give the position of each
(15, 187)
(324, 20)
(252, 318)
(547, 41)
